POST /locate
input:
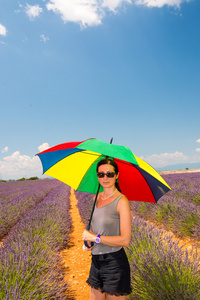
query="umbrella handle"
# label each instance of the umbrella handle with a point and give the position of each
(85, 243)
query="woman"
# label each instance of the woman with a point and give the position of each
(109, 276)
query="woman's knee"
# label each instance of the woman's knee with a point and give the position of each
(96, 294)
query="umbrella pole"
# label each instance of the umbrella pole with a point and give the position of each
(93, 207)
(88, 227)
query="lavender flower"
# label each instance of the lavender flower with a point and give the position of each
(178, 210)
(160, 268)
(14, 207)
(30, 267)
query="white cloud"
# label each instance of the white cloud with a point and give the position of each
(43, 147)
(17, 166)
(5, 150)
(164, 159)
(160, 3)
(198, 141)
(44, 38)
(114, 4)
(17, 11)
(90, 12)
(197, 150)
(33, 11)
(3, 30)
(83, 12)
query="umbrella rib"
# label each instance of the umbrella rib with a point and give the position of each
(90, 153)
(88, 169)
(156, 198)
(81, 151)
(137, 167)
(111, 157)
(125, 162)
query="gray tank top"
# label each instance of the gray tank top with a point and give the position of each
(106, 221)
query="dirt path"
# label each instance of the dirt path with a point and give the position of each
(76, 259)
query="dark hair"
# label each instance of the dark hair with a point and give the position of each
(108, 161)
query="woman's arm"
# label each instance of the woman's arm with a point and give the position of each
(124, 238)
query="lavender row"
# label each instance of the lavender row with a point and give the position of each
(179, 209)
(11, 189)
(13, 210)
(85, 203)
(30, 267)
(185, 185)
(160, 269)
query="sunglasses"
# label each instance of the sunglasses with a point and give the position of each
(108, 174)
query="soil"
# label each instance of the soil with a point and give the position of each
(77, 260)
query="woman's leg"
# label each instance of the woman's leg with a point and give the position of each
(110, 297)
(96, 294)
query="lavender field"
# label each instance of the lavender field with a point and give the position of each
(178, 210)
(160, 268)
(34, 223)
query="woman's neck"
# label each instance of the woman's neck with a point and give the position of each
(108, 193)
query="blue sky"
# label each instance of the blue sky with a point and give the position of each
(75, 69)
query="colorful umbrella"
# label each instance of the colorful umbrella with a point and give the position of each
(74, 163)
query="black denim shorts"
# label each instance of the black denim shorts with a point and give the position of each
(110, 273)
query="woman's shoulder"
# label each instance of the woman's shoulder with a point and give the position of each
(123, 202)
(122, 197)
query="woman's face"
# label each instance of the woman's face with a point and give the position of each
(107, 182)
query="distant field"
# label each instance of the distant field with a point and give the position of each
(179, 171)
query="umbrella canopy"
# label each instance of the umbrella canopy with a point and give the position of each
(74, 163)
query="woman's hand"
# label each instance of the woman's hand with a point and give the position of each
(89, 248)
(88, 236)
